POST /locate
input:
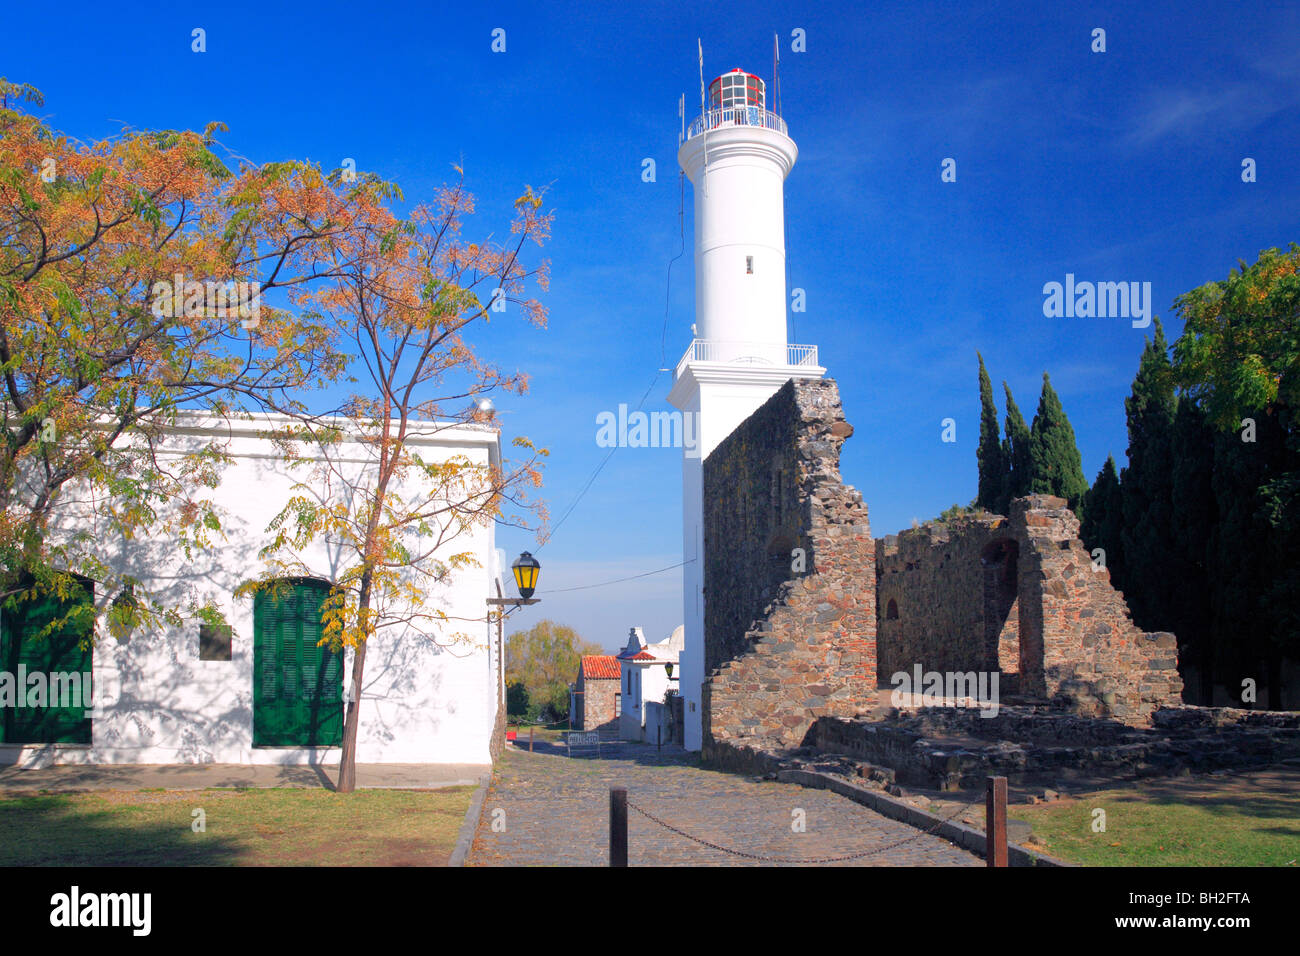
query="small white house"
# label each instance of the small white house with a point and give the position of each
(262, 691)
(649, 671)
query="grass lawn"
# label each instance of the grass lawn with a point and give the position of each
(265, 827)
(1243, 820)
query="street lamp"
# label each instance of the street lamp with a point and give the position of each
(527, 570)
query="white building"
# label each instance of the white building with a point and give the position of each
(737, 155)
(264, 693)
(645, 680)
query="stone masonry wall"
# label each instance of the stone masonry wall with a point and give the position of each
(938, 598)
(1080, 642)
(1020, 595)
(595, 705)
(790, 615)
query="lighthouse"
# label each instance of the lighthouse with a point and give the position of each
(737, 154)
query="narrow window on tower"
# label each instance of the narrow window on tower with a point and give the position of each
(749, 265)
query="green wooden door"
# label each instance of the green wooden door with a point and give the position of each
(58, 715)
(297, 686)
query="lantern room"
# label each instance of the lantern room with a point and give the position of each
(736, 89)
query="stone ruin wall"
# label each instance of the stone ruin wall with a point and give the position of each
(946, 598)
(1084, 644)
(787, 645)
(784, 644)
(1020, 594)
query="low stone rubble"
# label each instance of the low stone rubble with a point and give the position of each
(1039, 748)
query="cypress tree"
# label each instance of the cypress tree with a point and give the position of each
(992, 470)
(1148, 487)
(1015, 455)
(1103, 519)
(1055, 463)
(1238, 558)
(1197, 517)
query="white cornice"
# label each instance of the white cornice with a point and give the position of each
(419, 434)
(738, 143)
(695, 374)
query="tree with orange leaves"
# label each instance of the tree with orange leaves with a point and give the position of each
(99, 349)
(409, 295)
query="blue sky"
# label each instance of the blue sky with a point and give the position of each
(1115, 166)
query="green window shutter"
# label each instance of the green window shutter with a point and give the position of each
(22, 646)
(297, 686)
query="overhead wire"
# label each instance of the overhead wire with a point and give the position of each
(663, 357)
(644, 574)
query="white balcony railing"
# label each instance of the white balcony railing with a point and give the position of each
(735, 116)
(747, 353)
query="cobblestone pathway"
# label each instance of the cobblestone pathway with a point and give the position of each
(556, 813)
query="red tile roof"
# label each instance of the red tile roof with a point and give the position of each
(601, 667)
(638, 656)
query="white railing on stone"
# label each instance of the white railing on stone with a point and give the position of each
(746, 353)
(735, 116)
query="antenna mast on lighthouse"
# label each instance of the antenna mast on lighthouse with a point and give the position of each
(776, 70)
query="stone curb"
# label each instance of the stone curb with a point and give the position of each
(469, 826)
(968, 838)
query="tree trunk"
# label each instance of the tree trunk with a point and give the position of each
(348, 755)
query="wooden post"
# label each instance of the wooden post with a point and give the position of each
(995, 822)
(531, 728)
(618, 826)
(659, 738)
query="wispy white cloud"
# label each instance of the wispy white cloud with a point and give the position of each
(1177, 112)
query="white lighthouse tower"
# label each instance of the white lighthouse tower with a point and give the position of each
(737, 155)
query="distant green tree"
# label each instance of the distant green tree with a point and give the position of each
(992, 469)
(1018, 467)
(545, 659)
(516, 699)
(558, 702)
(1056, 468)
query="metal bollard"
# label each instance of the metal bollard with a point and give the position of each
(995, 822)
(618, 826)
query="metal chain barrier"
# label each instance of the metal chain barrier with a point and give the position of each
(825, 859)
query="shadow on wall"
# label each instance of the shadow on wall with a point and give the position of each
(159, 695)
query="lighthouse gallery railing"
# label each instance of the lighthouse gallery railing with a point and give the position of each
(744, 353)
(736, 116)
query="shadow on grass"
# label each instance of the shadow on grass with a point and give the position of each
(63, 831)
(1249, 804)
